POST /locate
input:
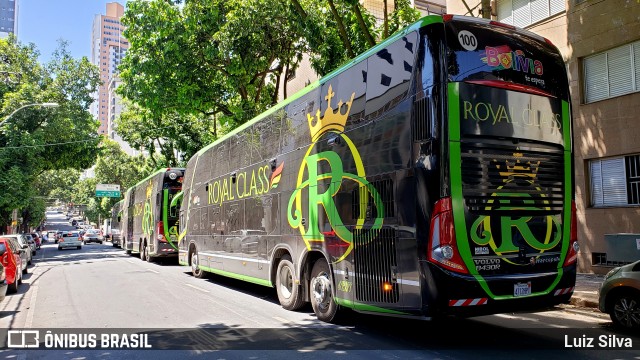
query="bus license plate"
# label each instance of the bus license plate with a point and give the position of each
(522, 289)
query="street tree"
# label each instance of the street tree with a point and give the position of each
(192, 72)
(115, 167)
(37, 139)
(339, 30)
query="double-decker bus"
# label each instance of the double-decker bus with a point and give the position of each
(431, 175)
(149, 225)
(115, 224)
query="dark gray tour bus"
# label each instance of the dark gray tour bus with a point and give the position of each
(149, 225)
(431, 175)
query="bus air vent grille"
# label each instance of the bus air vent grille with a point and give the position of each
(498, 178)
(374, 261)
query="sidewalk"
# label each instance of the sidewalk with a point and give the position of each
(586, 291)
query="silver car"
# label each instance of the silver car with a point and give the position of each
(620, 296)
(70, 239)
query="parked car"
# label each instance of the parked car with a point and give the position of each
(37, 239)
(619, 295)
(24, 244)
(13, 262)
(92, 235)
(3, 274)
(32, 243)
(70, 239)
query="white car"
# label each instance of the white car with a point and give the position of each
(24, 244)
(70, 239)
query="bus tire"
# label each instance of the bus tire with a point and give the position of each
(145, 253)
(195, 270)
(289, 293)
(321, 292)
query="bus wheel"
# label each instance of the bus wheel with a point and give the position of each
(145, 253)
(197, 272)
(320, 286)
(289, 293)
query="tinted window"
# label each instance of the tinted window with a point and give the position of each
(483, 52)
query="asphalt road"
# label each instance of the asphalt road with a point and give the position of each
(101, 289)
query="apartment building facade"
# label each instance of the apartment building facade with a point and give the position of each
(108, 47)
(600, 43)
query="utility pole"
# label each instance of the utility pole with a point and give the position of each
(485, 10)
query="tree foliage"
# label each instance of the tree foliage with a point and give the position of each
(193, 72)
(36, 139)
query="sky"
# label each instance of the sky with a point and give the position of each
(73, 21)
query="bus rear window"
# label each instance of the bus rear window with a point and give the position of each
(479, 51)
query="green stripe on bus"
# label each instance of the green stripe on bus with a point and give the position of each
(364, 307)
(237, 276)
(460, 226)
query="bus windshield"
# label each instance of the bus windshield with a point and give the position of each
(480, 52)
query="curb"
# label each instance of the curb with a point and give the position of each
(582, 302)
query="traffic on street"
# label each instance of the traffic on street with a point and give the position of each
(263, 179)
(101, 288)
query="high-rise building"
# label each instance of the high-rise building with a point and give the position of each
(8, 18)
(108, 47)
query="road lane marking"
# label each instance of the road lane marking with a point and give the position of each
(32, 306)
(157, 272)
(197, 288)
(282, 320)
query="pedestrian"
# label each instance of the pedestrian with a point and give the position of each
(45, 238)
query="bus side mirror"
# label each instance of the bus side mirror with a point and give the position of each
(3, 249)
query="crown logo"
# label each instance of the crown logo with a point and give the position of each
(149, 189)
(332, 120)
(518, 168)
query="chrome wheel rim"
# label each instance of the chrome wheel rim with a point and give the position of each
(286, 282)
(194, 263)
(321, 288)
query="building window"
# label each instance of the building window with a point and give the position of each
(523, 13)
(612, 73)
(615, 181)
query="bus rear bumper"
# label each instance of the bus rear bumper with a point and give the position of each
(165, 250)
(450, 293)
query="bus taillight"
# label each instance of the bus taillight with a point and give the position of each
(160, 232)
(442, 247)
(574, 247)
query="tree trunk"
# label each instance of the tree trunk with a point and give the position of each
(363, 27)
(299, 9)
(386, 20)
(341, 30)
(485, 11)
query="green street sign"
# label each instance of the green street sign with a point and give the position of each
(107, 190)
(107, 193)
